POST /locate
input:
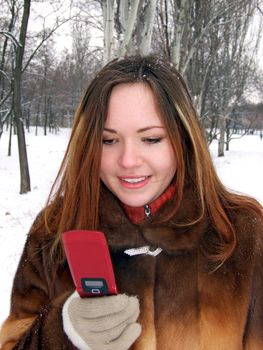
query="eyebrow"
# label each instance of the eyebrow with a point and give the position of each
(139, 131)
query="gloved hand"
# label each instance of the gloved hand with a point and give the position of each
(101, 323)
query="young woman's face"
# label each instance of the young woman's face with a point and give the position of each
(137, 162)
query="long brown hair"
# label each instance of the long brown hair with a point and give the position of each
(74, 199)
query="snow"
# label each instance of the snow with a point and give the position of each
(17, 212)
(242, 167)
(241, 170)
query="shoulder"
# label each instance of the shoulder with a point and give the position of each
(38, 241)
(39, 229)
(248, 226)
(247, 219)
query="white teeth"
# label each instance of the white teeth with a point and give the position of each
(134, 180)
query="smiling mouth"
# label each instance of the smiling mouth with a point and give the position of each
(134, 180)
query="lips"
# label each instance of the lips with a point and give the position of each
(133, 182)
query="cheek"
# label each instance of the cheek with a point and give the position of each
(173, 163)
(107, 162)
(166, 163)
(103, 163)
(165, 169)
(170, 167)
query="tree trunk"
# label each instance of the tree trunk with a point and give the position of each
(222, 130)
(4, 49)
(10, 136)
(146, 39)
(108, 14)
(130, 28)
(178, 35)
(18, 118)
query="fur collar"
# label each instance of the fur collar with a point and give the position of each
(122, 234)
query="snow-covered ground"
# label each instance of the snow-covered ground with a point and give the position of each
(241, 169)
(17, 212)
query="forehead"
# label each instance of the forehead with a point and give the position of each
(138, 90)
(133, 102)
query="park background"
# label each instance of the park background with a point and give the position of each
(50, 50)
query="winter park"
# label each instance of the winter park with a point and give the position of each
(51, 51)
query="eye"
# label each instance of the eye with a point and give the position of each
(109, 141)
(152, 140)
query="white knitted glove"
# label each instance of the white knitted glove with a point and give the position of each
(101, 323)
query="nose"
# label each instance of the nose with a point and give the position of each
(130, 156)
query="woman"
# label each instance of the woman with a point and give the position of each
(187, 253)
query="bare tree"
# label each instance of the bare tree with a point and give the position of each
(128, 27)
(233, 66)
(207, 42)
(19, 60)
(9, 18)
(18, 70)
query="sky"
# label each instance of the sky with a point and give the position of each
(241, 170)
(43, 13)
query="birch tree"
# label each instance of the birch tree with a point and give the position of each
(108, 16)
(128, 27)
(233, 67)
(207, 42)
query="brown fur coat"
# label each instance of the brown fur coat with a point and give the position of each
(183, 305)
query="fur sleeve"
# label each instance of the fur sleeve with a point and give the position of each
(35, 320)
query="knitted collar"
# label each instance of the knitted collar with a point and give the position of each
(138, 214)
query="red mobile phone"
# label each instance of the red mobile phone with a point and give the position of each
(89, 262)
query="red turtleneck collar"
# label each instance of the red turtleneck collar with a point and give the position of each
(137, 214)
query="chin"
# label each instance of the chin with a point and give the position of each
(134, 203)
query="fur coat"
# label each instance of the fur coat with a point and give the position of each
(185, 303)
